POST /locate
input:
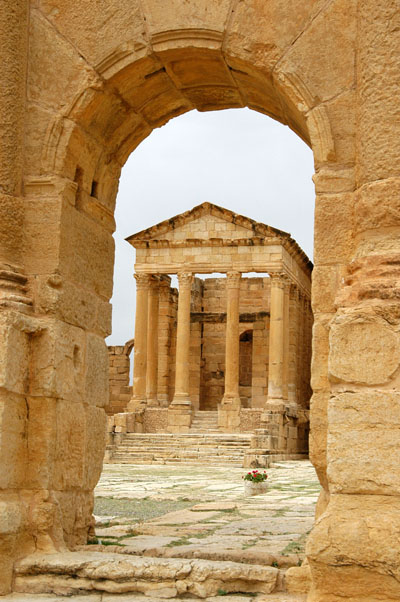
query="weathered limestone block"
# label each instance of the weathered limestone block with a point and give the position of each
(313, 50)
(333, 221)
(377, 205)
(173, 15)
(359, 424)
(251, 28)
(73, 304)
(364, 349)
(90, 265)
(94, 34)
(15, 330)
(49, 80)
(298, 579)
(13, 445)
(318, 434)
(96, 381)
(58, 369)
(11, 221)
(76, 508)
(378, 121)
(14, 541)
(156, 577)
(362, 531)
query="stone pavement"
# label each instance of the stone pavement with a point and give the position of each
(195, 512)
(202, 512)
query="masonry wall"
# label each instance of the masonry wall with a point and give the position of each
(254, 298)
(119, 367)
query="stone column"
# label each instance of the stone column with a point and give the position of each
(300, 349)
(180, 410)
(164, 336)
(183, 340)
(13, 60)
(293, 344)
(152, 343)
(17, 531)
(276, 340)
(231, 394)
(229, 409)
(140, 349)
(286, 336)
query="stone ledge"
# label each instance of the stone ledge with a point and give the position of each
(70, 573)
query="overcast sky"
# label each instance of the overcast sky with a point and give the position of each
(239, 159)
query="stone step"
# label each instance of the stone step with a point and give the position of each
(198, 436)
(129, 458)
(185, 443)
(193, 438)
(192, 448)
(133, 458)
(72, 573)
(99, 597)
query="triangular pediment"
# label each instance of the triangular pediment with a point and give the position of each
(206, 221)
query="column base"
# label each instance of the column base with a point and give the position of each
(229, 414)
(231, 402)
(13, 289)
(180, 414)
(152, 403)
(136, 403)
(163, 401)
(275, 404)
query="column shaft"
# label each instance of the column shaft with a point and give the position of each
(183, 339)
(286, 340)
(140, 349)
(276, 339)
(152, 343)
(14, 17)
(164, 336)
(300, 349)
(231, 393)
(293, 343)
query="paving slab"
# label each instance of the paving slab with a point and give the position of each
(212, 516)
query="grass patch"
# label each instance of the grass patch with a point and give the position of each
(295, 547)
(249, 544)
(139, 510)
(184, 540)
(280, 512)
(178, 542)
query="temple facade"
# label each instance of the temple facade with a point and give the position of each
(237, 344)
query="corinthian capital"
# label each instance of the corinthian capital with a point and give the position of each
(185, 279)
(233, 279)
(143, 281)
(279, 279)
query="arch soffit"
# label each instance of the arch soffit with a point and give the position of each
(137, 90)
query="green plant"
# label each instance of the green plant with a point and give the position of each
(255, 477)
(222, 592)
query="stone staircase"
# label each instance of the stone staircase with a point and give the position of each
(167, 448)
(203, 444)
(205, 422)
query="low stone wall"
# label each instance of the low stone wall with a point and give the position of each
(119, 367)
(155, 420)
(250, 419)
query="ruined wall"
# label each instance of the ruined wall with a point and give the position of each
(119, 377)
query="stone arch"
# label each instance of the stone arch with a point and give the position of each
(60, 169)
